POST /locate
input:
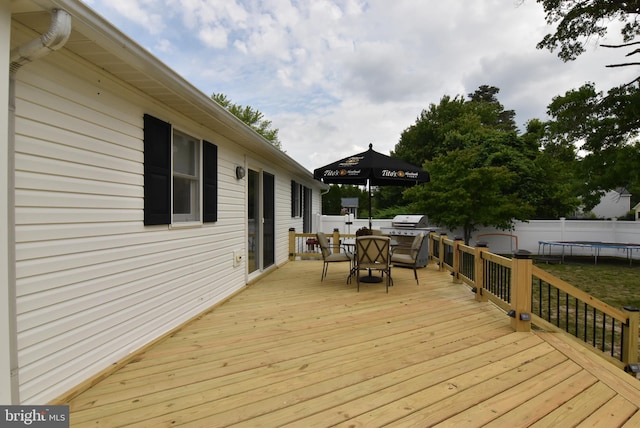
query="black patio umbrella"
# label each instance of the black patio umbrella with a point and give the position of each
(373, 169)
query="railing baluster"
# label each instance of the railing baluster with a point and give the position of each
(557, 306)
(577, 318)
(566, 311)
(613, 338)
(604, 332)
(593, 332)
(549, 302)
(539, 300)
(586, 315)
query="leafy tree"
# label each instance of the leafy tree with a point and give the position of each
(465, 192)
(579, 21)
(554, 172)
(252, 117)
(442, 127)
(604, 127)
(482, 171)
(490, 110)
(434, 131)
(332, 200)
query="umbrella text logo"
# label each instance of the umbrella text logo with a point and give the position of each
(342, 172)
(352, 161)
(399, 174)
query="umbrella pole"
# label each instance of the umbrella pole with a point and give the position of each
(370, 278)
(369, 184)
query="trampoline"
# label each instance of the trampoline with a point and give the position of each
(594, 246)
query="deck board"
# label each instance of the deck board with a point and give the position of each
(291, 350)
(574, 411)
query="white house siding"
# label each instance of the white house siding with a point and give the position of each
(613, 204)
(93, 284)
(283, 211)
(7, 362)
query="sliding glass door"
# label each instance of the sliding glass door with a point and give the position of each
(260, 220)
(269, 220)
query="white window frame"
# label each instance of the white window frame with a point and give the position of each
(195, 214)
(297, 200)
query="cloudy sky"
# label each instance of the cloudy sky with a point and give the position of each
(336, 75)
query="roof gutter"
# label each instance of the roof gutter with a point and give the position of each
(52, 40)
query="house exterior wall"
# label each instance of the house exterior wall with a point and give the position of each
(93, 283)
(613, 205)
(8, 394)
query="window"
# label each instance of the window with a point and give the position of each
(186, 178)
(297, 196)
(176, 167)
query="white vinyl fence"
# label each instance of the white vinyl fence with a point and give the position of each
(525, 235)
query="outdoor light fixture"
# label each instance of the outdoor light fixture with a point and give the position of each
(512, 313)
(525, 317)
(240, 172)
(474, 289)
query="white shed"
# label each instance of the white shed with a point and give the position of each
(130, 202)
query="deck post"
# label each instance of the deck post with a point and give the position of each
(521, 277)
(432, 237)
(456, 259)
(292, 243)
(630, 336)
(336, 240)
(481, 247)
(442, 237)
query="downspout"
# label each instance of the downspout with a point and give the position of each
(52, 40)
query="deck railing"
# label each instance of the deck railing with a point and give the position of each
(305, 245)
(531, 295)
(559, 306)
(528, 294)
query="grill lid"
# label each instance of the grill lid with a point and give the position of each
(410, 221)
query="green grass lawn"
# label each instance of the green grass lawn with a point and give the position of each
(612, 280)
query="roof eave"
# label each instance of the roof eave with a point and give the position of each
(191, 101)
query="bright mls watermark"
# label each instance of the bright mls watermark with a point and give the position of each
(34, 416)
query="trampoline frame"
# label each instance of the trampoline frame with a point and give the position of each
(595, 245)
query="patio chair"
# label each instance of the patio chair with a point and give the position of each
(410, 260)
(373, 253)
(330, 257)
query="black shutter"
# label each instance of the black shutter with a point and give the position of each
(157, 171)
(210, 180)
(293, 198)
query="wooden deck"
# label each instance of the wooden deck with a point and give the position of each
(292, 351)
